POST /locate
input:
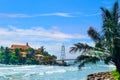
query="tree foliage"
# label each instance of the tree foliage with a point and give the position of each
(107, 42)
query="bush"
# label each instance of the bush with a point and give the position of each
(116, 75)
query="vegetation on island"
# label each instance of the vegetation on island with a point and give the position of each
(107, 41)
(8, 56)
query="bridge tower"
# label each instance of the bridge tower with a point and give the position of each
(63, 56)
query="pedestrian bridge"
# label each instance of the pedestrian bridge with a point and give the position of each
(66, 60)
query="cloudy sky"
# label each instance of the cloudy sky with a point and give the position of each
(49, 23)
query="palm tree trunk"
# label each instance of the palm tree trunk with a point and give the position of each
(117, 64)
(116, 54)
(116, 61)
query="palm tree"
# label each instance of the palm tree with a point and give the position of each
(2, 50)
(107, 42)
(42, 49)
(7, 55)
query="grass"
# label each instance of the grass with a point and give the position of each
(116, 75)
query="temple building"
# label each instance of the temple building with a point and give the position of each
(22, 47)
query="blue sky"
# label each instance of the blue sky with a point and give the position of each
(49, 23)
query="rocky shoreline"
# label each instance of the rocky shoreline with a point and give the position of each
(100, 76)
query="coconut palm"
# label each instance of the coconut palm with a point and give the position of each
(107, 42)
(42, 49)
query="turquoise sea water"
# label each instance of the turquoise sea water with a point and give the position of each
(41, 72)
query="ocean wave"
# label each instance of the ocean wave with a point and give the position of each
(41, 73)
(33, 73)
(55, 71)
(86, 67)
(109, 66)
(72, 69)
(16, 67)
(29, 74)
(27, 66)
(11, 76)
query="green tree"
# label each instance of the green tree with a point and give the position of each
(17, 56)
(42, 49)
(7, 55)
(107, 42)
(30, 53)
(45, 53)
(17, 52)
(2, 50)
(54, 57)
(14, 59)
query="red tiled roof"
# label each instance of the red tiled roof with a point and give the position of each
(23, 47)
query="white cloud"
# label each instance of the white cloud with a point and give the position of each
(13, 15)
(51, 34)
(57, 14)
(36, 35)
(61, 14)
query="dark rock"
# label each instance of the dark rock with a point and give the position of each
(100, 76)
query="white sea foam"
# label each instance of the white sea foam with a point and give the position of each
(29, 73)
(55, 71)
(27, 66)
(72, 69)
(109, 66)
(41, 73)
(86, 68)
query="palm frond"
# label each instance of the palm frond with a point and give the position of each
(106, 14)
(94, 34)
(86, 59)
(115, 12)
(108, 60)
(81, 47)
(99, 54)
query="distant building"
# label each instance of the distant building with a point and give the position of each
(38, 56)
(23, 54)
(22, 47)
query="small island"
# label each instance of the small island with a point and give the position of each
(25, 54)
